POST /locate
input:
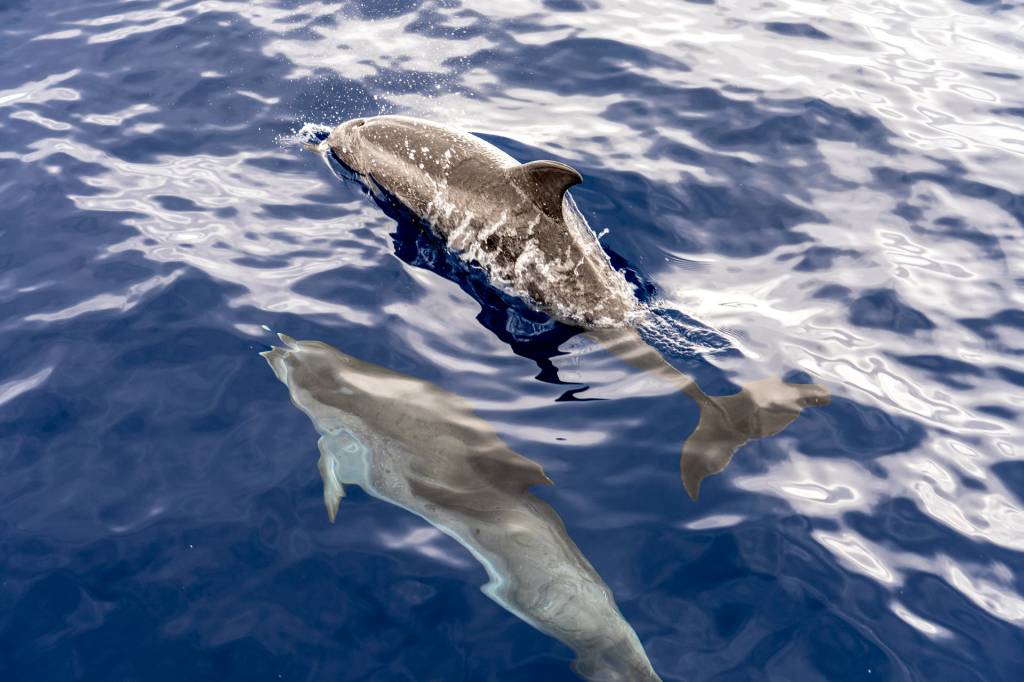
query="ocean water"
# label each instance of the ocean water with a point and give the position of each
(824, 191)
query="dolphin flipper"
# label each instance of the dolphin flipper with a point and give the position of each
(333, 488)
(762, 408)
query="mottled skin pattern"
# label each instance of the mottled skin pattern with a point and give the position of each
(415, 445)
(529, 239)
(518, 222)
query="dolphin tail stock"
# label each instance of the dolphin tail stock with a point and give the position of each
(620, 662)
(761, 408)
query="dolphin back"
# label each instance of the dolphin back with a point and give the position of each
(516, 221)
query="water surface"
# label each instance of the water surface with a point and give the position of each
(833, 189)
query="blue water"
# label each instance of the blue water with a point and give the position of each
(835, 189)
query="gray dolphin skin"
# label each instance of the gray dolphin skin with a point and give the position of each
(412, 444)
(518, 222)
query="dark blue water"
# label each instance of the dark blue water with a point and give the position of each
(834, 189)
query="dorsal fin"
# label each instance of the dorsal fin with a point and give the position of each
(546, 182)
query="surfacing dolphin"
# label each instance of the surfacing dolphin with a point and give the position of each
(518, 222)
(412, 444)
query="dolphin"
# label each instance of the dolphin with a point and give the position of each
(415, 445)
(519, 223)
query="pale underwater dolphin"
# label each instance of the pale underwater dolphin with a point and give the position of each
(412, 444)
(518, 222)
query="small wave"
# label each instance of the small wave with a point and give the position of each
(676, 334)
(310, 135)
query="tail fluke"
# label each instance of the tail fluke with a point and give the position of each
(762, 408)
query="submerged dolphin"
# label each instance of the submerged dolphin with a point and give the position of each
(415, 445)
(518, 222)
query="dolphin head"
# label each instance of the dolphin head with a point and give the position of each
(318, 374)
(346, 145)
(392, 150)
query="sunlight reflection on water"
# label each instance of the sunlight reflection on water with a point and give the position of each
(835, 187)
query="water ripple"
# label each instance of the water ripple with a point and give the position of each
(825, 191)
